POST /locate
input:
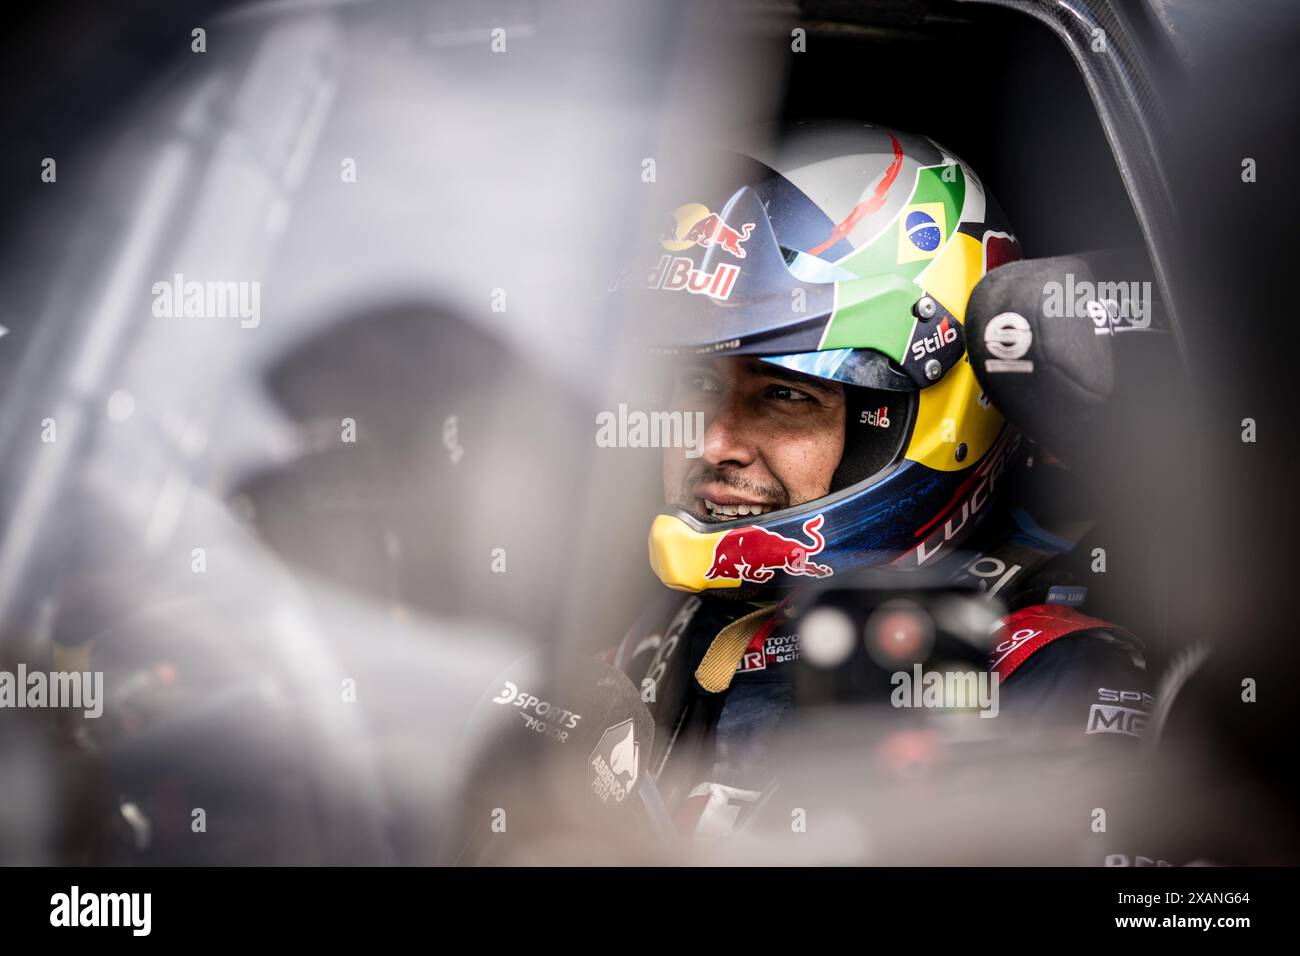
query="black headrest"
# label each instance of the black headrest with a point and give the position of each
(1046, 339)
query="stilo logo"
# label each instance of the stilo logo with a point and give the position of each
(756, 554)
(615, 763)
(878, 418)
(945, 334)
(694, 225)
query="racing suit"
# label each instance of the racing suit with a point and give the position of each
(1061, 669)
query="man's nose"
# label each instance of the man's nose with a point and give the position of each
(727, 441)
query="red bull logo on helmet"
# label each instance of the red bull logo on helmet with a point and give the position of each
(691, 225)
(756, 554)
(694, 225)
(678, 274)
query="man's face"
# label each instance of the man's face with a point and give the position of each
(772, 439)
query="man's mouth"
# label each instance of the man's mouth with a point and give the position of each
(721, 511)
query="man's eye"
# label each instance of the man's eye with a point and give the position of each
(784, 393)
(699, 382)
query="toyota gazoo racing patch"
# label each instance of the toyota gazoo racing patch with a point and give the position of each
(769, 650)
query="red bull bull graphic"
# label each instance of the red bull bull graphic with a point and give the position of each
(712, 231)
(694, 225)
(756, 554)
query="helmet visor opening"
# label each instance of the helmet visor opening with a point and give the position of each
(865, 368)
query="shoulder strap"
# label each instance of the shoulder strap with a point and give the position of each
(1027, 631)
(720, 661)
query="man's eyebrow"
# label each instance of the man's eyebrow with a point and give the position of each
(759, 367)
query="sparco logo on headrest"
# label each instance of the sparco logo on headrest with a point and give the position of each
(615, 763)
(540, 716)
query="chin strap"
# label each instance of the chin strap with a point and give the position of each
(722, 658)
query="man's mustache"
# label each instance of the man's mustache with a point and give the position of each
(774, 494)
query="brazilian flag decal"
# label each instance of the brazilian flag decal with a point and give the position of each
(875, 312)
(921, 231)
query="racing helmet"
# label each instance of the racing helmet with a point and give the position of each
(844, 251)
